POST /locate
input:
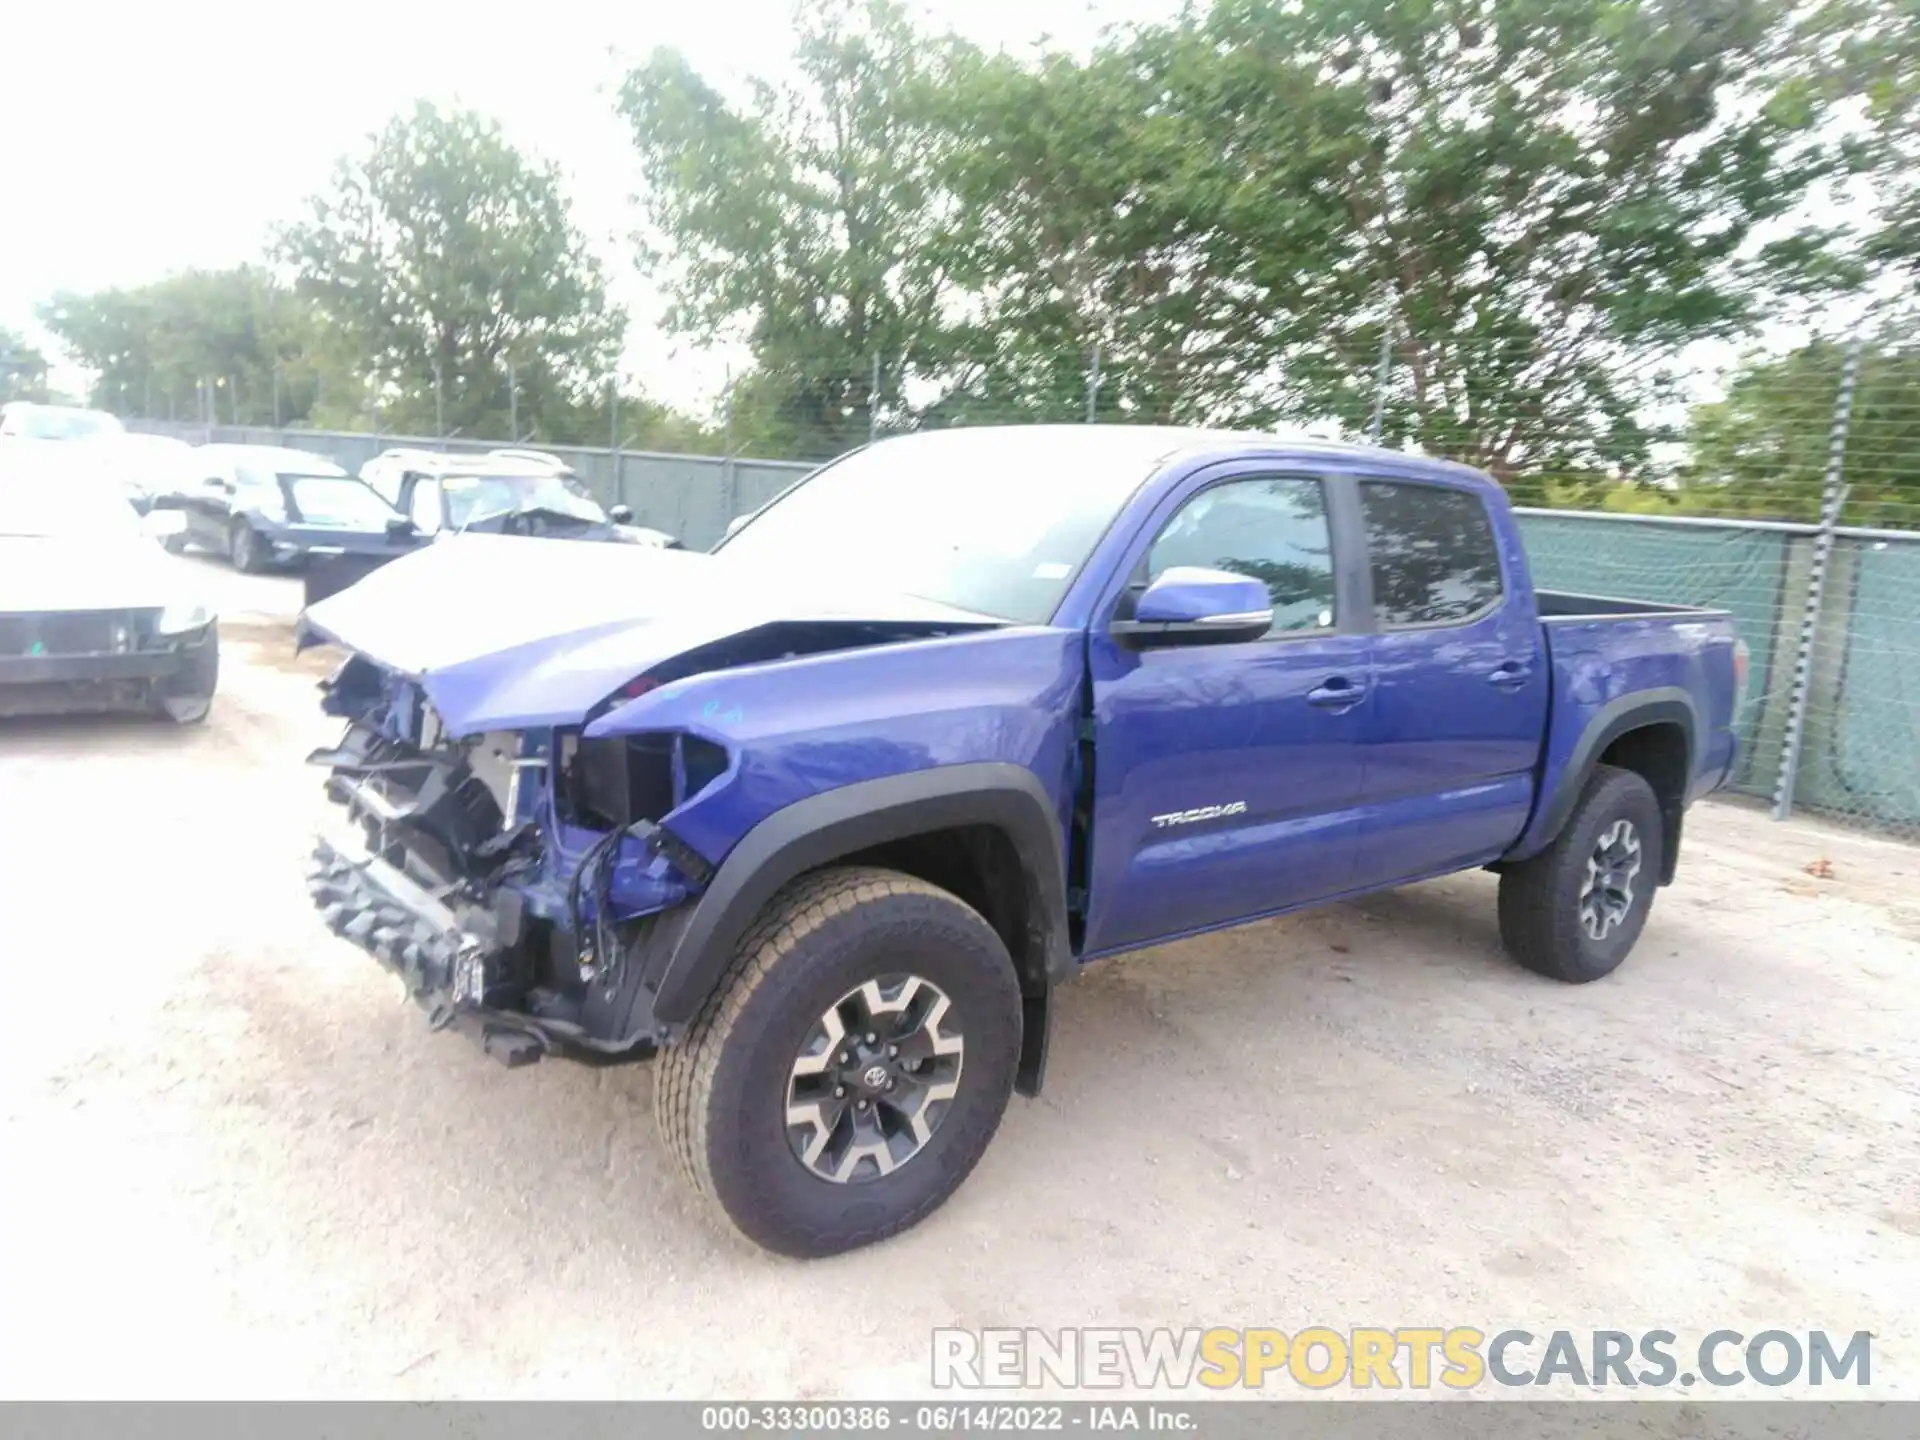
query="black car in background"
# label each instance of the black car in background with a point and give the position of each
(263, 507)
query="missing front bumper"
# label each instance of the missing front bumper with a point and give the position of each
(402, 925)
(453, 962)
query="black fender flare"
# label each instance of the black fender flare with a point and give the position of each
(1660, 705)
(826, 827)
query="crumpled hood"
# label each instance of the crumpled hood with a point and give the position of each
(39, 573)
(507, 633)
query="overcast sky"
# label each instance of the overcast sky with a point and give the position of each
(143, 139)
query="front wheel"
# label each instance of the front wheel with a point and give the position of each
(245, 548)
(1573, 911)
(187, 698)
(847, 1073)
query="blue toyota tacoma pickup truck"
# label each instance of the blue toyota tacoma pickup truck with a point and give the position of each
(823, 817)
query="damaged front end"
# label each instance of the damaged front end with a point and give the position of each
(519, 883)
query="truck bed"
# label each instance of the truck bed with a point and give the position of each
(1567, 605)
(1609, 655)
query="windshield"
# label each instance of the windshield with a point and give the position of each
(63, 507)
(51, 423)
(976, 520)
(474, 497)
(338, 501)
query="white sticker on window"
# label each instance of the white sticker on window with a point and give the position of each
(1051, 570)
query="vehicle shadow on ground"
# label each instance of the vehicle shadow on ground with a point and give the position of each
(115, 733)
(1180, 1061)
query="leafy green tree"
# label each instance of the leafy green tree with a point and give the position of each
(232, 344)
(1116, 206)
(1763, 450)
(1531, 206)
(1867, 52)
(1544, 200)
(450, 262)
(23, 369)
(811, 221)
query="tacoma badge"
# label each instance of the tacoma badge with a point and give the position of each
(1205, 812)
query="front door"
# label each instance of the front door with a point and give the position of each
(1227, 776)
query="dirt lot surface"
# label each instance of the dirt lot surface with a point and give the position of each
(235, 1164)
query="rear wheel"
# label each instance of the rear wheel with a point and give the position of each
(1574, 911)
(245, 548)
(849, 1070)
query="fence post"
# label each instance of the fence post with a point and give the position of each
(613, 442)
(1833, 496)
(726, 460)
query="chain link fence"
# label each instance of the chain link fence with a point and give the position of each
(1860, 722)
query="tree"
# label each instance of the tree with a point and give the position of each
(1763, 451)
(1869, 50)
(811, 221)
(1543, 199)
(1530, 206)
(231, 345)
(1117, 203)
(23, 369)
(450, 262)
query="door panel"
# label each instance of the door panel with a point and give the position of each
(1183, 730)
(206, 507)
(1227, 776)
(1460, 690)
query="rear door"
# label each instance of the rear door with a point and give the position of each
(208, 505)
(1227, 776)
(1459, 704)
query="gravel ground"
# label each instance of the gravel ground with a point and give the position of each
(236, 1164)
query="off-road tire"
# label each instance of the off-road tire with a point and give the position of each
(244, 548)
(720, 1094)
(1540, 897)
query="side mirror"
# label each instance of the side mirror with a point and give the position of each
(399, 526)
(1191, 606)
(620, 514)
(737, 521)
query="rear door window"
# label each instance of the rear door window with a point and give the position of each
(1432, 553)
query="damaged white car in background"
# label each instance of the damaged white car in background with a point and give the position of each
(94, 614)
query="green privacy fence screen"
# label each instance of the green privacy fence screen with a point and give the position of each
(1861, 759)
(1863, 723)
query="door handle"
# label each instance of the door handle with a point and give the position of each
(1510, 676)
(1338, 693)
